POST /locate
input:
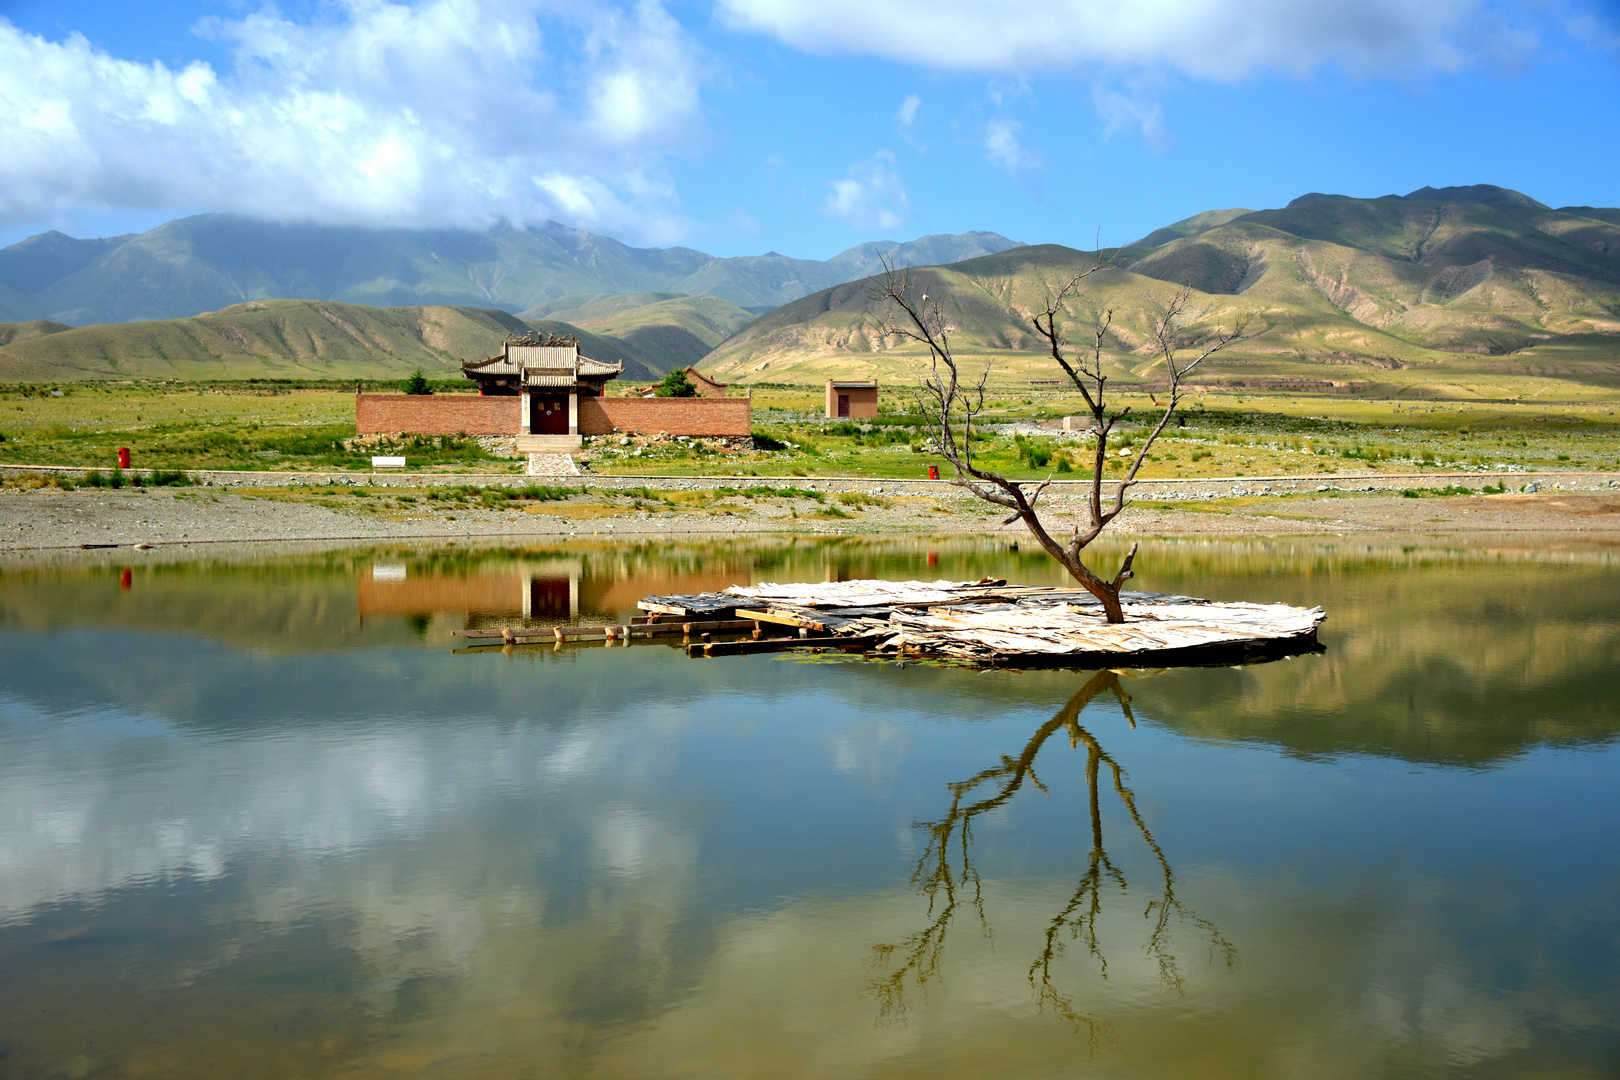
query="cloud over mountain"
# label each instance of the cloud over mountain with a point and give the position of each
(447, 112)
(871, 196)
(1209, 39)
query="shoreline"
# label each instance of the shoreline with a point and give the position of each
(42, 520)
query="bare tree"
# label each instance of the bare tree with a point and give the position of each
(952, 404)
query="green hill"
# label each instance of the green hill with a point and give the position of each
(1455, 293)
(10, 332)
(289, 339)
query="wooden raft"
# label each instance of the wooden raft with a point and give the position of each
(991, 621)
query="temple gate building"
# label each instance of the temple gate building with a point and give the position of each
(549, 376)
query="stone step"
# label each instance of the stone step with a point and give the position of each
(549, 444)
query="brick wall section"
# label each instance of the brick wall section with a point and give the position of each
(436, 414)
(452, 414)
(706, 387)
(697, 416)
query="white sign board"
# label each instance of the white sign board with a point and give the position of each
(387, 462)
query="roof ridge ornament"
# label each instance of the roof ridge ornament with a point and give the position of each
(552, 341)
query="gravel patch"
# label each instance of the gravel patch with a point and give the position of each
(47, 518)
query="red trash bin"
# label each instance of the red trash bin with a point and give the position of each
(123, 457)
(933, 472)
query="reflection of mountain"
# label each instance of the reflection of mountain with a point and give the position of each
(946, 875)
(1434, 654)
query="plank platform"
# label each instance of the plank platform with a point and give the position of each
(994, 622)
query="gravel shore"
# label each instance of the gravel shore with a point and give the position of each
(45, 518)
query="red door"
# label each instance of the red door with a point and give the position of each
(549, 598)
(549, 414)
(843, 404)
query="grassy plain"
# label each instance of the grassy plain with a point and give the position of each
(244, 426)
(179, 426)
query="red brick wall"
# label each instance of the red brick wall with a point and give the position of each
(706, 387)
(436, 414)
(697, 416)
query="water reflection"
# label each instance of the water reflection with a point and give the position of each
(945, 874)
(256, 819)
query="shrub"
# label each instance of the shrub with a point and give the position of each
(676, 384)
(1038, 454)
(546, 492)
(95, 478)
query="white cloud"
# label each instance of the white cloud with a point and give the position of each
(905, 118)
(871, 196)
(906, 114)
(1213, 39)
(1122, 113)
(444, 112)
(1005, 151)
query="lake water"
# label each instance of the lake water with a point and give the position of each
(260, 817)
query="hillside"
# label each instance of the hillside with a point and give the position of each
(211, 261)
(10, 332)
(669, 329)
(1459, 284)
(290, 339)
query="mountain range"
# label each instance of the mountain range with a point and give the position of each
(1457, 287)
(1464, 283)
(212, 261)
(289, 339)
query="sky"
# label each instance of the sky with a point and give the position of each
(799, 126)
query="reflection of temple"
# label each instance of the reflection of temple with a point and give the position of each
(546, 590)
(549, 590)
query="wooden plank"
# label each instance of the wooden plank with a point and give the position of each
(718, 624)
(658, 608)
(695, 605)
(514, 631)
(770, 645)
(570, 632)
(599, 633)
(783, 618)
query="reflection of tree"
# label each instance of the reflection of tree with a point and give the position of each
(946, 876)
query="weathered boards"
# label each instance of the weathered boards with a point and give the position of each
(994, 622)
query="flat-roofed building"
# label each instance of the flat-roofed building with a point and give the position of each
(852, 399)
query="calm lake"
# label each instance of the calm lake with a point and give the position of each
(263, 815)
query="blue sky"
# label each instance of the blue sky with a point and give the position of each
(801, 126)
